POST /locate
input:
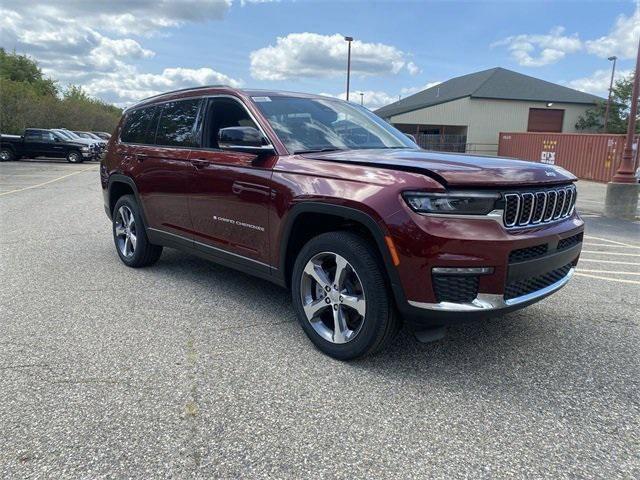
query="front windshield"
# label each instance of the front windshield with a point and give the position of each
(313, 124)
(71, 134)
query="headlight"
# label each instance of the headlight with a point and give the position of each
(461, 203)
(85, 149)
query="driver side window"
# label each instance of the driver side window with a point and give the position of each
(222, 113)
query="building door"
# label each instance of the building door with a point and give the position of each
(545, 120)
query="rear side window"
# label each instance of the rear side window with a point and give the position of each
(177, 125)
(138, 127)
(33, 136)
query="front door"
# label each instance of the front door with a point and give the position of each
(231, 191)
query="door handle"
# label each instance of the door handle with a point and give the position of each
(141, 156)
(198, 163)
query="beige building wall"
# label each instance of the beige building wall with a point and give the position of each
(485, 118)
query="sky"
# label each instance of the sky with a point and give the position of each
(124, 50)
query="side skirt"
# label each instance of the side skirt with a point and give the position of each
(216, 255)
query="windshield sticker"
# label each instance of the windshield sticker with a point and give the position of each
(261, 99)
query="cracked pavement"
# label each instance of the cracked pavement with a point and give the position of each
(191, 370)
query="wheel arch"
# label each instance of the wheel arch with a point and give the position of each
(120, 185)
(335, 217)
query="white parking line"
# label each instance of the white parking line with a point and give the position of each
(589, 237)
(619, 280)
(93, 167)
(609, 246)
(607, 271)
(607, 261)
(617, 254)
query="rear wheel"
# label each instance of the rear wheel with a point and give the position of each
(74, 157)
(6, 155)
(130, 237)
(341, 297)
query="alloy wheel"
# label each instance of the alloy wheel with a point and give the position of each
(4, 155)
(332, 297)
(125, 231)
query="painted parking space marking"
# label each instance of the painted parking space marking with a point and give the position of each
(589, 237)
(617, 254)
(609, 246)
(619, 280)
(93, 167)
(616, 272)
(597, 260)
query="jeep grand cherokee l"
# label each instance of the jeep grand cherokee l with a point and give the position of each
(325, 198)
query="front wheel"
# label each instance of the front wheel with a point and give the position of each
(74, 157)
(341, 297)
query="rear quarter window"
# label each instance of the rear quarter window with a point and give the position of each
(139, 126)
(177, 125)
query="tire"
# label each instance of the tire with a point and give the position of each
(74, 157)
(130, 237)
(365, 327)
(7, 155)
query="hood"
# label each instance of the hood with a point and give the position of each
(454, 169)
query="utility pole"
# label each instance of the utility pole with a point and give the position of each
(361, 98)
(622, 191)
(348, 40)
(613, 71)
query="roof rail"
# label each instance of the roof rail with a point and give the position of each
(176, 91)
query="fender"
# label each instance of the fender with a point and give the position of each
(374, 228)
(115, 178)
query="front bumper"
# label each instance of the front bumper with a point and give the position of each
(512, 282)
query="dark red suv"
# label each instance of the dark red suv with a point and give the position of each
(325, 198)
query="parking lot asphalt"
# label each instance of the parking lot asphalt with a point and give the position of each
(191, 370)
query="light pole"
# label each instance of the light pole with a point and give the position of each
(361, 98)
(613, 71)
(622, 192)
(348, 40)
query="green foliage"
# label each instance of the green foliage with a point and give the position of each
(593, 118)
(29, 99)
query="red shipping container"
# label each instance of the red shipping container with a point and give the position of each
(587, 156)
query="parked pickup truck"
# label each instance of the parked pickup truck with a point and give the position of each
(38, 142)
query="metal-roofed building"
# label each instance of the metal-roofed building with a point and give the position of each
(467, 113)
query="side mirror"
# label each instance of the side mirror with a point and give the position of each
(56, 139)
(243, 139)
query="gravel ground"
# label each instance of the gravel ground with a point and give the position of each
(188, 369)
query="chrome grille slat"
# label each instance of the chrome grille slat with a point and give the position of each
(522, 209)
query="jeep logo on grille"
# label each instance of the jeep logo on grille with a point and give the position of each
(549, 173)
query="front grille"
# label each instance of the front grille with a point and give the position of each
(455, 288)
(570, 241)
(523, 209)
(528, 253)
(533, 284)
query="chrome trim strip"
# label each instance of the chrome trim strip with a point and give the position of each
(553, 209)
(212, 248)
(486, 301)
(533, 201)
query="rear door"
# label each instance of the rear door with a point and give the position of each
(33, 143)
(231, 192)
(161, 167)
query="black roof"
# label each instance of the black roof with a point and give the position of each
(496, 83)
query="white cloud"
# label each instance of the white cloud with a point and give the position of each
(413, 68)
(314, 55)
(374, 99)
(406, 91)
(621, 41)
(371, 99)
(539, 50)
(83, 49)
(598, 82)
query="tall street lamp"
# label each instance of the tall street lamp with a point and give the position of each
(348, 40)
(613, 71)
(361, 98)
(622, 192)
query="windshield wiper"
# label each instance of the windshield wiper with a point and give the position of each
(316, 150)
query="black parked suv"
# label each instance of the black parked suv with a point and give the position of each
(38, 142)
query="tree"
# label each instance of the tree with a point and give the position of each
(20, 68)
(29, 99)
(593, 118)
